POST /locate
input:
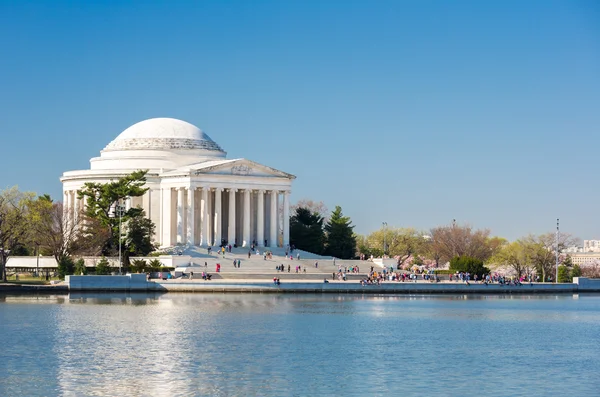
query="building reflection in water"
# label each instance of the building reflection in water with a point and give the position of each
(162, 345)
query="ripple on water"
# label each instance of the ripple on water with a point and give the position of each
(228, 345)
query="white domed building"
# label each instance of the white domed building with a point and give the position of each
(196, 195)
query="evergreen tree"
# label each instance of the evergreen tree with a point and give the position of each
(564, 275)
(576, 272)
(103, 267)
(66, 267)
(80, 268)
(468, 264)
(139, 235)
(341, 241)
(102, 201)
(306, 231)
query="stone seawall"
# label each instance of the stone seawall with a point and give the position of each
(355, 287)
(138, 282)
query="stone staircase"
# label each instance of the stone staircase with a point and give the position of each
(256, 266)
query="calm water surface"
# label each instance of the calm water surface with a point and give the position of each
(299, 345)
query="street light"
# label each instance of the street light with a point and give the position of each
(557, 236)
(384, 224)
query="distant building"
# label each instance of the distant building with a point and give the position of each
(591, 245)
(583, 258)
(573, 249)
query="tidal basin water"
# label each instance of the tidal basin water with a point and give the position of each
(299, 345)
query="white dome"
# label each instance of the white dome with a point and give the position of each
(162, 134)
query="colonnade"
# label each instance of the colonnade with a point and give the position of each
(72, 206)
(210, 216)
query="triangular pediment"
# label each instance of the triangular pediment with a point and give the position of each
(240, 167)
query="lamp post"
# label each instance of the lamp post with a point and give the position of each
(557, 237)
(384, 225)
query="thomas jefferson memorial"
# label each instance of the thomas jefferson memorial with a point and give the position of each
(196, 195)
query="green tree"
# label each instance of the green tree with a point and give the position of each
(66, 266)
(306, 231)
(406, 243)
(103, 267)
(515, 255)
(155, 265)
(576, 272)
(80, 268)
(139, 235)
(401, 243)
(14, 231)
(468, 264)
(542, 251)
(363, 246)
(564, 275)
(568, 261)
(340, 238)
(104, 198)
(138, 266)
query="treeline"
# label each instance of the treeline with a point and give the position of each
(311, 231)
(39, 225)
(443, 244)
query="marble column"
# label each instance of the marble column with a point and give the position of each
(286, 218)
(211, 227)
(75, 207)
(231, 220)
(205, 221)
(217, 217)
(191, 224)
(166, 222)
(69, 208)
(246, 228)
(180, 215)
(273, 220)
(260, 218)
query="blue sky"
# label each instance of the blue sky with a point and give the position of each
(409, 112)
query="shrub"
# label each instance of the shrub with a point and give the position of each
(138, 266)
(576, 272)
(103, 267)
(80, 268)
(467, 264)
(563, 274)
(155, 265)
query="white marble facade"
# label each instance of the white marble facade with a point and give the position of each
(196, 195)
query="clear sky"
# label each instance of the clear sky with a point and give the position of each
(409, 112)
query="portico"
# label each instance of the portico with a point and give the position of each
(196, 196)
(205, 215)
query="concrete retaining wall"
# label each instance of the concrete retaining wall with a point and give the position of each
(587, 284)
(137, 282)
(354, 287)
(129, 282)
